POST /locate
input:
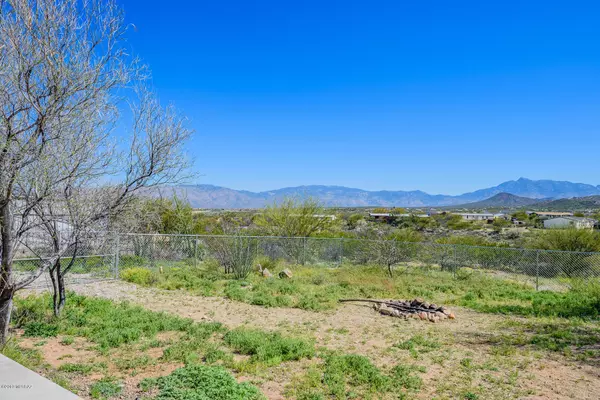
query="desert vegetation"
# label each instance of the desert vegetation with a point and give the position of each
(185, 304)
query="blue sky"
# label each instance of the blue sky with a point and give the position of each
(441, 96)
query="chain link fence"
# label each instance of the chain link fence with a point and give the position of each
(104, 255)
(541, 269)
(94, 258)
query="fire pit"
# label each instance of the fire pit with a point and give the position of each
(416, 309)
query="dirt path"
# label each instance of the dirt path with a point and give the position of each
(468, 356)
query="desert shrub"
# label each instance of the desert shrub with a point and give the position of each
(573, 240)
(77, 368)
(105, 389)
(352, 370)
(40, 329)
(235, 254)
(202, 382)
(455, 222)
(267, 263)
(406, 235)
(139, 275)
(570, 239)
(270, 348)
(193, 279)
(464, 273)
(187, 349)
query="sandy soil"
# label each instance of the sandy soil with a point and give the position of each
(470, 355)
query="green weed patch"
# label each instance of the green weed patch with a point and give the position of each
(201, 382)
(270, 348)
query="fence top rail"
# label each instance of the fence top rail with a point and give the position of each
(441, 245)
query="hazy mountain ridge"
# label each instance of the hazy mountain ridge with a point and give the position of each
(571, 204)
(210, 196)
(502, 200)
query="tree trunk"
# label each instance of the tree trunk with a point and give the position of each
(59, 294)
(390, 271)
(5, 312)
(62, 295)
(6, 284)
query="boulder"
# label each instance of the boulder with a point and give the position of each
(285, 274)
(266, 273)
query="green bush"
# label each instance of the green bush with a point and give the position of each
(78, 368)
(105, 389)
(201, 382)
(571, 239)
(139, 275)
(352, 370)
(40, 329)
(268, 347)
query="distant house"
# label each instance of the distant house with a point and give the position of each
(481, 216)
(325, 216)
(570, 222)
(391, 216)
(550, 214)
(517, 222)
(382, 216)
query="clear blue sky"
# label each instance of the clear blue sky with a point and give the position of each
(442, 96)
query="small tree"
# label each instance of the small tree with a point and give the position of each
(64, 73)
(390, 252)
(581, 242)
(570, 239)
(294, 218)
(235, 254)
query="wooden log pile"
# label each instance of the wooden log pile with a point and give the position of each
(409, 309)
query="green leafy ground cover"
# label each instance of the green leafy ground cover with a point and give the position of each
(124, 340)
(320, 289)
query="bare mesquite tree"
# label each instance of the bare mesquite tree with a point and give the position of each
(65, 74)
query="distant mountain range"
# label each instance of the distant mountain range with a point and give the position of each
(210, 196)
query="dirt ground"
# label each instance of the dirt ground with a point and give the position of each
(470, 354)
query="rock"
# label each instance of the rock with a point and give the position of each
(433, 306)
(423, 315)
(266, 273)
(285, 274)
(425, 305)
(386, 311)
(451, 316)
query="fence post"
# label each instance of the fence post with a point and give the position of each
(537, 270)
(341, 260)
(116, 261)
(196, 252)
(455, 263)
(153, 250)
(303, 250)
